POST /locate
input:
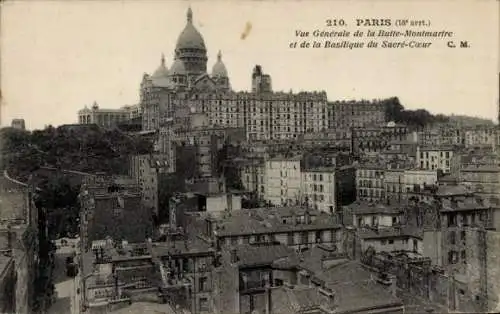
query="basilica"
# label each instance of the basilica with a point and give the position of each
(262, 113)
(184, 86)
(189, 68)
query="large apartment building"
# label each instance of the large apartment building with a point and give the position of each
(355, 114)
(436, 157)
(283, 180)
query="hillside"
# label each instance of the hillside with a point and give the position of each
(469, 121)
(395, 111)
(87, 149)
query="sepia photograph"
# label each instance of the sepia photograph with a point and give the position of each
(249, 157)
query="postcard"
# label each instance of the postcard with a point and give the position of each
(250, 156)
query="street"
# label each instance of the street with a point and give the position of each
(65, 287)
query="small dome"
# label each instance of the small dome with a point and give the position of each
(190, 38)
(178, 68)
(219, 69)
(162, 70)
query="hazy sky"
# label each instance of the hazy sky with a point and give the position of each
(59, 56)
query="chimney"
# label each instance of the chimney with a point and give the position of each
(394, 287)
(234, 256)
(268, 298)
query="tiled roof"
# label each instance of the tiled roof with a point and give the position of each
(193, 246)
(394, 232)
(362, 295)
(313, 259)
(298, 300)
(270, 220)
(468, 203)
(361, 208)
(288, 262)
(304, 299)
(353, 285)
(265, 254)
(449, 190)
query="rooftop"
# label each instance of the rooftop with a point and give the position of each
(448, 178)
(179, 247)
(372, 165)
(450, 190)
(362, 208)
(393, 232)
(298, 299)
(145, 308)
(468, 203)
(273, 220)
(251, 255)
(358, 296)
(321, 169)
(353, 285)
(480, 168)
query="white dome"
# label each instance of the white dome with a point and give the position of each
(177, 68)
(162, 70)
(190, 38)
(219, 69)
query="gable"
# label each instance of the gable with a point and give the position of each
(204, 83)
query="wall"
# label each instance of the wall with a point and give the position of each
(493, 269)
(8, 287)
(223, 202)
(381, 220)
(432, 247)
(226, 287)
(399, 244)
(25, 272)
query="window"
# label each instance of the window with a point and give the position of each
(452, 257)
(318, 236)
(305, 238)
(463, 257)
(452, 238)
(185, 265)
(391, 241)
(203, 304)
(203, 283)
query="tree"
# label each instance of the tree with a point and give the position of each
(395, 111)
